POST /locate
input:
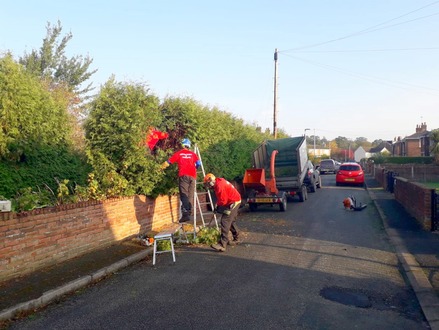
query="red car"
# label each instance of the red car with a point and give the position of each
(350, 173)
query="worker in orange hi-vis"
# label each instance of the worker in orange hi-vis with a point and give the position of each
(187, 162)
(228, 201)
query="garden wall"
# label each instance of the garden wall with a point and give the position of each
(43, 237)
(415, 172)
(413, 196)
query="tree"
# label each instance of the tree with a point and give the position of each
(342, 142)
(29, 114)
(435, 147)
(119, 120)
(51, 62)
(62, 75)
(377, 142)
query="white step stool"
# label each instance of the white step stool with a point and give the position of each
(166, 234)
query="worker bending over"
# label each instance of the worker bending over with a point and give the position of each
(228, 201)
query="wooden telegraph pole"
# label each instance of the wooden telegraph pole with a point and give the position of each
(275, 96)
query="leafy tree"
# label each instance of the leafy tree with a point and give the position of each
(51, 62)
(62, 75)
(119, 120)
(435, 146)
(29, 114)
(342, 142)
(377, 142)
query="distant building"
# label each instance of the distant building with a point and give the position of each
(360, 154)
(319, 152)
(384, 147)
(415, 145)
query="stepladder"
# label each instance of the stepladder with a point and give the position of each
(203, 214)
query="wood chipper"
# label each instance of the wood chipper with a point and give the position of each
(262, 190)
(280, 169)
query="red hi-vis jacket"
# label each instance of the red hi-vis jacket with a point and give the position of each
(187, 162)
(225, 192)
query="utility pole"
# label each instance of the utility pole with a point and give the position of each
(314, 143)
(275, 96)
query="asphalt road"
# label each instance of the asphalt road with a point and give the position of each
(315, 266)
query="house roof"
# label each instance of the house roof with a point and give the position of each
(417, 135)
(383, 145)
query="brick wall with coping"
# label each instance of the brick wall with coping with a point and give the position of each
(44, 237)
(416, 199)
(413, 196)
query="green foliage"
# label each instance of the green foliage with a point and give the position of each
(207, 236)
(380, 159)
(51, 62)
(163, 245)
(226, 142)
(119, 120)
(27, 199)
(29, 115)
(435, 146)
(43, 166)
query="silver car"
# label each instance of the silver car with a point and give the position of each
(328, 166)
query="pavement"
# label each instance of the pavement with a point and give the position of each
(416, 248)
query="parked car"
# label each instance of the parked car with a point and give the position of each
(351, 173)
(337, 165)
(327, 166)
(313, 179)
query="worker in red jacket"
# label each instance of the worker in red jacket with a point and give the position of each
(228, 201)
(187, 162)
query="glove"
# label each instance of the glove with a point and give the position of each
(215, 209)
(164, 165)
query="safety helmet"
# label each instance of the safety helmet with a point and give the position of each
(209, 179)
(186, 143)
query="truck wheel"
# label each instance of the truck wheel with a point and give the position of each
(319, 184)
(253, 206)
(283, 205)
(313, 186)
(303, 194)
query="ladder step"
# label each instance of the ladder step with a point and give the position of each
(203, 207)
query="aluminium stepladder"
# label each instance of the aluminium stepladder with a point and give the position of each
(203, 206)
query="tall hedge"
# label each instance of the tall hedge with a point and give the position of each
(118, 122)
(35, 134)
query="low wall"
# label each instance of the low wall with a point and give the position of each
(413, 196)
(416, 199)
(414, 172)
(44, 237)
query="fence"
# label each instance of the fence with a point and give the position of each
(434, 210)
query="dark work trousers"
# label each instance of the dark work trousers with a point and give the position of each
(186, 186)
(228, 223)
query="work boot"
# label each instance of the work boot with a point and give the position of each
(236, 241)
(185, 218)
(218, 247)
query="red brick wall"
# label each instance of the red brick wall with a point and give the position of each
(416, 199)
(413, 148)
(413, 196)
(414, 172)
(43, 237)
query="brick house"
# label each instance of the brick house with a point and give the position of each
(415, 145)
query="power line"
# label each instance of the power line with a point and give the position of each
(365, 50)
(369, 29)
(381, 81)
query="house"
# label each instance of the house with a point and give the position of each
(384, 147)
(360, 154)
(415, 145)
(319, 152)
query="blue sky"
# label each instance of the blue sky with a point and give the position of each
(346, 68)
